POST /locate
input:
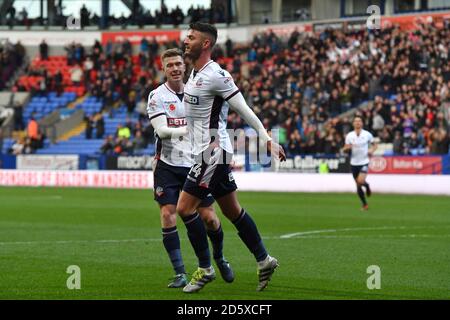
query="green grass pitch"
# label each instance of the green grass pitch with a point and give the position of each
(114, 236)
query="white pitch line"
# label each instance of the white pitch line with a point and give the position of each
(76, 241)
(52, 197)
(376, 236)
(305, 233)
(313, 234)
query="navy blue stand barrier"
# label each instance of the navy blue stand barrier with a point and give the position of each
(7, 161)
(446, 164)
(91, 162)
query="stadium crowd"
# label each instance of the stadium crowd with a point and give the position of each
(138, 16)
(130, 138)
(11, 57)
(303, 85)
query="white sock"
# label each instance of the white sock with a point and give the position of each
(263, 263)
(208, 270)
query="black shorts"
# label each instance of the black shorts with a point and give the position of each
(211, 175)
(168, 181)
(356, 170)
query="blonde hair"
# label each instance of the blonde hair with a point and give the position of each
(174, 52)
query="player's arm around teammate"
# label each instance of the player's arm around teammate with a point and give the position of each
(208, 87)
(165, 103)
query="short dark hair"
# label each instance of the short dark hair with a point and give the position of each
(358, 116)
(174, 52)
(205, 28)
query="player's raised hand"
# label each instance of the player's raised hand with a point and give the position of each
(277, 150)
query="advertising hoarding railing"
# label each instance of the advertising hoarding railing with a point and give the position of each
(431, 164)
(247, 181)
(407, 165)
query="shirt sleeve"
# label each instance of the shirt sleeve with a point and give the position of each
(223, 84)
(163, 131)
(347, 139)
(154, 106)
(238, 104)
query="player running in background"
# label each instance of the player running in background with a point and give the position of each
(173, 160)
(205, 94)
(362, 146)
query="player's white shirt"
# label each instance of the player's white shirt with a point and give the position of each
(360, 147)
(205, 94)
(174, 151)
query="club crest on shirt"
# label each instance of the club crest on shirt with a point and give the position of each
(199, 82)
(228, 81)
(172, 107)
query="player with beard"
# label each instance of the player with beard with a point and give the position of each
(173, 160)
(205, 94)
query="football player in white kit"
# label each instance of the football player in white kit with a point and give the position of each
(172, 163)
(362, 146)
(205, 94)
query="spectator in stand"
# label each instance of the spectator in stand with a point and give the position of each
(38, 142)
(99, 125)
(11, 57)
(18, 116)
(141, 108)
(398, 143)
(108, 145)
(58, 82)
(149, 134)
(23, 17)
(43, 50)
(90, 125)
(131, 104)
(84, 16)
(414, 145)
(32, 128)
(20, 52)
(76, 75)
(70, 49)
(88, 67)
(1, 141)
(18, 147)
(139, 142)
(79, 53)
(123, 132)
(108, 101)
(11, 16)
(438, 141)
(124, 147)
